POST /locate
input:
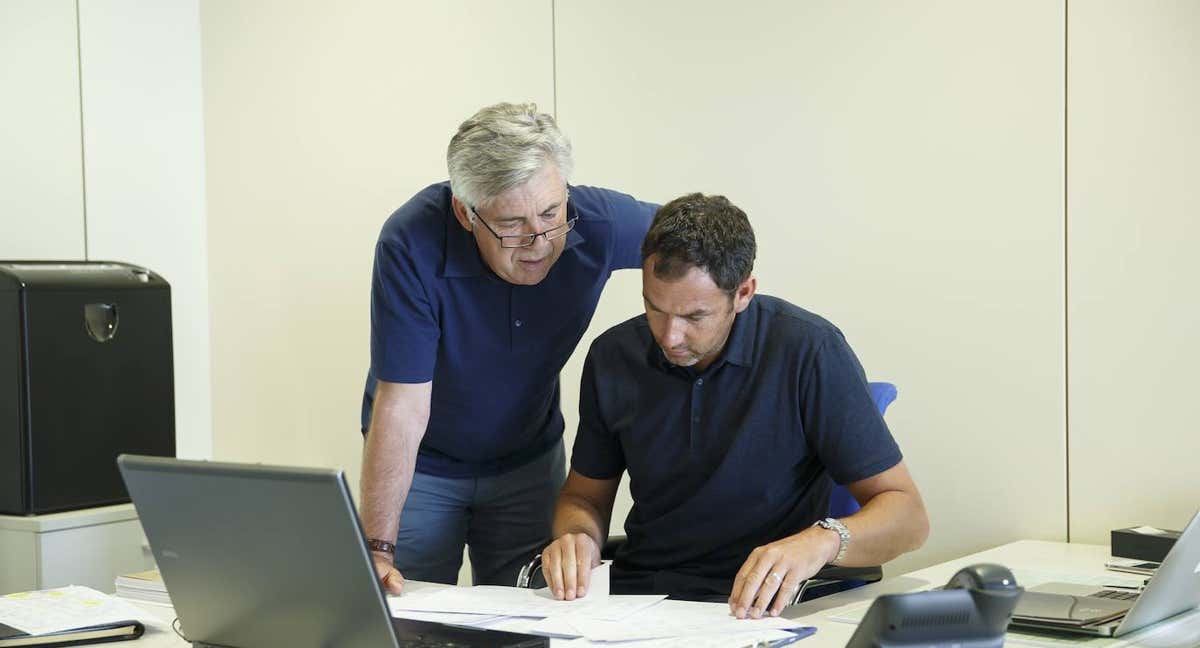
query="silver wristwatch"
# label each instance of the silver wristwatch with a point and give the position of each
(836, 526)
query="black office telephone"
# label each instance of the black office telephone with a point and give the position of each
(971, 611)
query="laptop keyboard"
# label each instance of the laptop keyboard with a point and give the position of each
(1116, 595)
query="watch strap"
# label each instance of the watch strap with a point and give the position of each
(835, 525)
(382, 546)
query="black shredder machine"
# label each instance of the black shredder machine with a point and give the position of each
(86, 373)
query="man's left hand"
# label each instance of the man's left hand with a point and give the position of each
(774, 572)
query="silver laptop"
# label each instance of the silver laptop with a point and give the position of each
(1066, 607)
(266, 556)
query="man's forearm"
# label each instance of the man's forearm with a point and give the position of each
(891, 524)
(389, 461)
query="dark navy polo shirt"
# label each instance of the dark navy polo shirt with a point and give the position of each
(736, 456)
(492, 349)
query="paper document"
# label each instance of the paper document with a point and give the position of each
(453, 618)
(495, 600)
(672, 619)
(512, 601)
(730, 640)
(1148, 530)
(64, 608)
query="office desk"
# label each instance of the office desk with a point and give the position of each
(1055, 560)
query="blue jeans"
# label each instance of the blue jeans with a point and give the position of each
(504, 520)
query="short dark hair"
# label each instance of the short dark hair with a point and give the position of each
(706, 232)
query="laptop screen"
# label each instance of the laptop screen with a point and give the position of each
(257, 555)
(1175, 586)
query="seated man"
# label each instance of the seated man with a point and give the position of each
(734, 415)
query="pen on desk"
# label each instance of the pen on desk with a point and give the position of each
(1132, 588)
(797, 635)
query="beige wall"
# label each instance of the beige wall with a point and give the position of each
(903, 164)
(904, 174)
(322, 119)
(41, 166)
(1133, 236)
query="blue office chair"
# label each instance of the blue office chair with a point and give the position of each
(830, 579)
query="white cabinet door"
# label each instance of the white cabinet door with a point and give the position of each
(92, 555)
(18, 561)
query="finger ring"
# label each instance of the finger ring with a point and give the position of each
(776, 576)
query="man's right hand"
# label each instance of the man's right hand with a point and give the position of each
(392, 581)
(567, 564)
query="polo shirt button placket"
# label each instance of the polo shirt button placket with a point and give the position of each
(696, 384)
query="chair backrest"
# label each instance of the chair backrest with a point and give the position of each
(841, 502)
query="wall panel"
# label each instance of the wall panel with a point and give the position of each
(41, 170)
(1134, 228)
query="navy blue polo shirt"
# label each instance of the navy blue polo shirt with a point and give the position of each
(492, 349)
(736, 456)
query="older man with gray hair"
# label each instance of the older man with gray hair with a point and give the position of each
(481, 290)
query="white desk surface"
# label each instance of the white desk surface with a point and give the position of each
(1057, 560)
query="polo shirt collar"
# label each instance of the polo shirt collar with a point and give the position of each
(739, 346)
(462, 253)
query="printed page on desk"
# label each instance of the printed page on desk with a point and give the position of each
(746, 634)
(752, 639)
(64, 608)
(667, 619)
(485, 601)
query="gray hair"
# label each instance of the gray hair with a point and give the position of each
(501, 147)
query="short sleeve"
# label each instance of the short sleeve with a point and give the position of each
(840, 419)
(404, 327)
(631, 219)
(597, 452)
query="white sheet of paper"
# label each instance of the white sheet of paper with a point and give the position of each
(512, 601)
(675, 619)
(597, 584)
(64, 608)
(1148, 530)
(453, 618)
(726, 640)
(555, 626)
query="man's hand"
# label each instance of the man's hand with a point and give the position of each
(392, 581)
(774, 572)
(567, 565)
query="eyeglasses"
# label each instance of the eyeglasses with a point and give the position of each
(526, 240)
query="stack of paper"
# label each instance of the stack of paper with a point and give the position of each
(641, 621)
(143, 586)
